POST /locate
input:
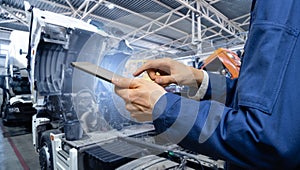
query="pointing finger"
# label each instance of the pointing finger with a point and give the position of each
(143, 68)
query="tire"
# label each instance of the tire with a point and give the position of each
(3, 114)
(4, 117)
(4, 109)
(45, 151)
(4, 102)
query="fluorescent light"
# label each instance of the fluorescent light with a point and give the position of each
(27, 5)
(110, 6)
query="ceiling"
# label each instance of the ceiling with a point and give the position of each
(153, 27)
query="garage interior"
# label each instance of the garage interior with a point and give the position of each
(185, 30)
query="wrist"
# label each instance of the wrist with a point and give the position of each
(155, 96)
(198, 75)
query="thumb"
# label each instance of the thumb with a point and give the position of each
(122, 82)
(164, 80)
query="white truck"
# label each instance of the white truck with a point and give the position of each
(80, 122)
(16, 107)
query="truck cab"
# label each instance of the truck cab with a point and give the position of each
(17, 106)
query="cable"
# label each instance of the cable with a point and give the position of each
(184, 156)
(183, 163)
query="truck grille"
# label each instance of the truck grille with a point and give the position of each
(112, 155)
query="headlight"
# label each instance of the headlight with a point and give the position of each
(14, 109)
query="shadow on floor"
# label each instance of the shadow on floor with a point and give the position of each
(16, 129)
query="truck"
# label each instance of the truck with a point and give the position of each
(80, 122)
(16, 107)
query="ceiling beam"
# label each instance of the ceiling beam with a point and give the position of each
(212, 15)
(70, 5)
(187, 39)
(83, 12)
(182, 15)
(99, 18)
(175, 44)
(246, 20)
(149, 27)
(213, 1)
(84, 4)
(129, 11)
(92, 9)
(13, 14)
(148, 18)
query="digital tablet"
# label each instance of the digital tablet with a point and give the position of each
(95, 70)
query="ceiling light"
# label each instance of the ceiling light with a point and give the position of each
(27, 5)
(110, 6)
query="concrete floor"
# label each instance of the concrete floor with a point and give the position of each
(16, 149)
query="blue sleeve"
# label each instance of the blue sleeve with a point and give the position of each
(211, 128)
(221, 89)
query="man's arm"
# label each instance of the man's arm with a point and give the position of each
(218, 131)
(216, 87)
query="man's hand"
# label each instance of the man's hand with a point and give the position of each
(166, 71)
(139, 95)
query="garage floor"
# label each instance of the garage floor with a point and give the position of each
(16, 149)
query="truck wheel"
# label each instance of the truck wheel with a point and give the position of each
(45, 152)
(4, 111)
(4, 104)
(4, 116)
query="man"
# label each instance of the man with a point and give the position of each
(256, 125)
(88, 113)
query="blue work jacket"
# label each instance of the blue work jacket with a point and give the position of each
(252, 122)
